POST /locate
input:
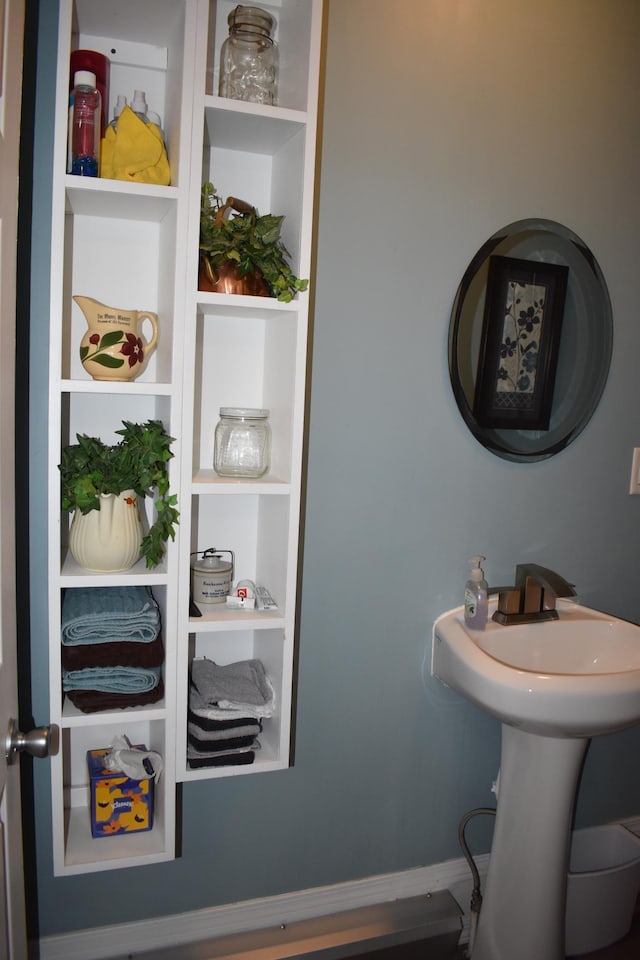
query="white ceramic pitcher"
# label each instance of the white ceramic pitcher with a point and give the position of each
(108, 540)
(112, 347)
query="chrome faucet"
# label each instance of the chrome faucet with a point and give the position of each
(533, 596)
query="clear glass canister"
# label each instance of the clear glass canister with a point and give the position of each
(242, 442)
(249, 57)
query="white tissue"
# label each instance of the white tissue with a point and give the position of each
(126, 759)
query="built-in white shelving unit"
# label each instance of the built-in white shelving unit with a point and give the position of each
(134, 246)
(250, 352)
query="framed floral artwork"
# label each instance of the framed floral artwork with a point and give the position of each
(518, 355)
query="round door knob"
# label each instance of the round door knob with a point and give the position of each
(39, 742)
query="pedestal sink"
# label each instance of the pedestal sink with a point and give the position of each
(553, 685)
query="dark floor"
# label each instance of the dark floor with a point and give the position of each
(626, 949)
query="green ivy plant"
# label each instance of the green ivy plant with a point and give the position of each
(138, 462)
(251, 241)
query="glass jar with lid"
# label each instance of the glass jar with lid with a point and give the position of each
(249, 57)
(242, 442)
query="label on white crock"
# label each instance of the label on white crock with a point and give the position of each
(211, 587)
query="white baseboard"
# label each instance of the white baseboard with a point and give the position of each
(101, 943)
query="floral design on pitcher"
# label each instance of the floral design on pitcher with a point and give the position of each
(132, 348)
(101, 344)
(133, 502)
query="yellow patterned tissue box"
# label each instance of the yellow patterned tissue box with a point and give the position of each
(118, 804)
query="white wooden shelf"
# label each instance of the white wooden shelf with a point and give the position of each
(207, 482)
(115, 199)
(135, 246)
(87, 854)
(118, 243)
(222, 304)
(72, 574)
(248, 127)
(260, 765)
(72, 717)
(226, 618)
(137, 388)
(251, 352)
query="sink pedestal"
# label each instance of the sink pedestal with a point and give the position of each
(523, 909)
(553, 686)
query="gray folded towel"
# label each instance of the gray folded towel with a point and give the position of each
(193, 753)
(233, 685)
(211, 711)
(104, 614)
(249, 730)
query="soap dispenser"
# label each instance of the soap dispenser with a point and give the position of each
(475, 596)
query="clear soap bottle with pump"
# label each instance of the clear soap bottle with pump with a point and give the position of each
(475, 596)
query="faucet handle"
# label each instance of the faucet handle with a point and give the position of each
(509, 599)
(532, 592)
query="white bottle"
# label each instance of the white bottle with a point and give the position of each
(475, 596)
(139, 105)
(121, 103)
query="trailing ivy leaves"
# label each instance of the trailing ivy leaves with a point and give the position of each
(251, 241)
(138, 462)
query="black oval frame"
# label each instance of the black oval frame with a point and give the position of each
(586, 342)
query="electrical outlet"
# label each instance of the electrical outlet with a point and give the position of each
(634, 485)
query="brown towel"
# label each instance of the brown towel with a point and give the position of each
(115, 653)
(91, 701)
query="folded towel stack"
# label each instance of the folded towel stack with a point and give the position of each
(226, 707)
(112, 651)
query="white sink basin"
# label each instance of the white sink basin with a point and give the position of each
(578, 676)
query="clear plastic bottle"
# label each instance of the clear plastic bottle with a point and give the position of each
(97, 64)
(242, 442)
(475, 596)
(141, 109)
(121, 103)
(153, 117)
(139, 105)
(249, 57)
(85, 126)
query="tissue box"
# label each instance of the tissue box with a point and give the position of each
(118, 804)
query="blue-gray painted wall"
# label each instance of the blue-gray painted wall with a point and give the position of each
(443, 121)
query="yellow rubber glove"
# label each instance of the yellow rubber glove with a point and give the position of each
(134, 152)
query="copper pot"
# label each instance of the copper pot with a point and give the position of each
(226, 279)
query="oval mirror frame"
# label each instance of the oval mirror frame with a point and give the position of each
(586, 340)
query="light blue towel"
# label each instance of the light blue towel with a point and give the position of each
(112, 679)
(103, 614)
